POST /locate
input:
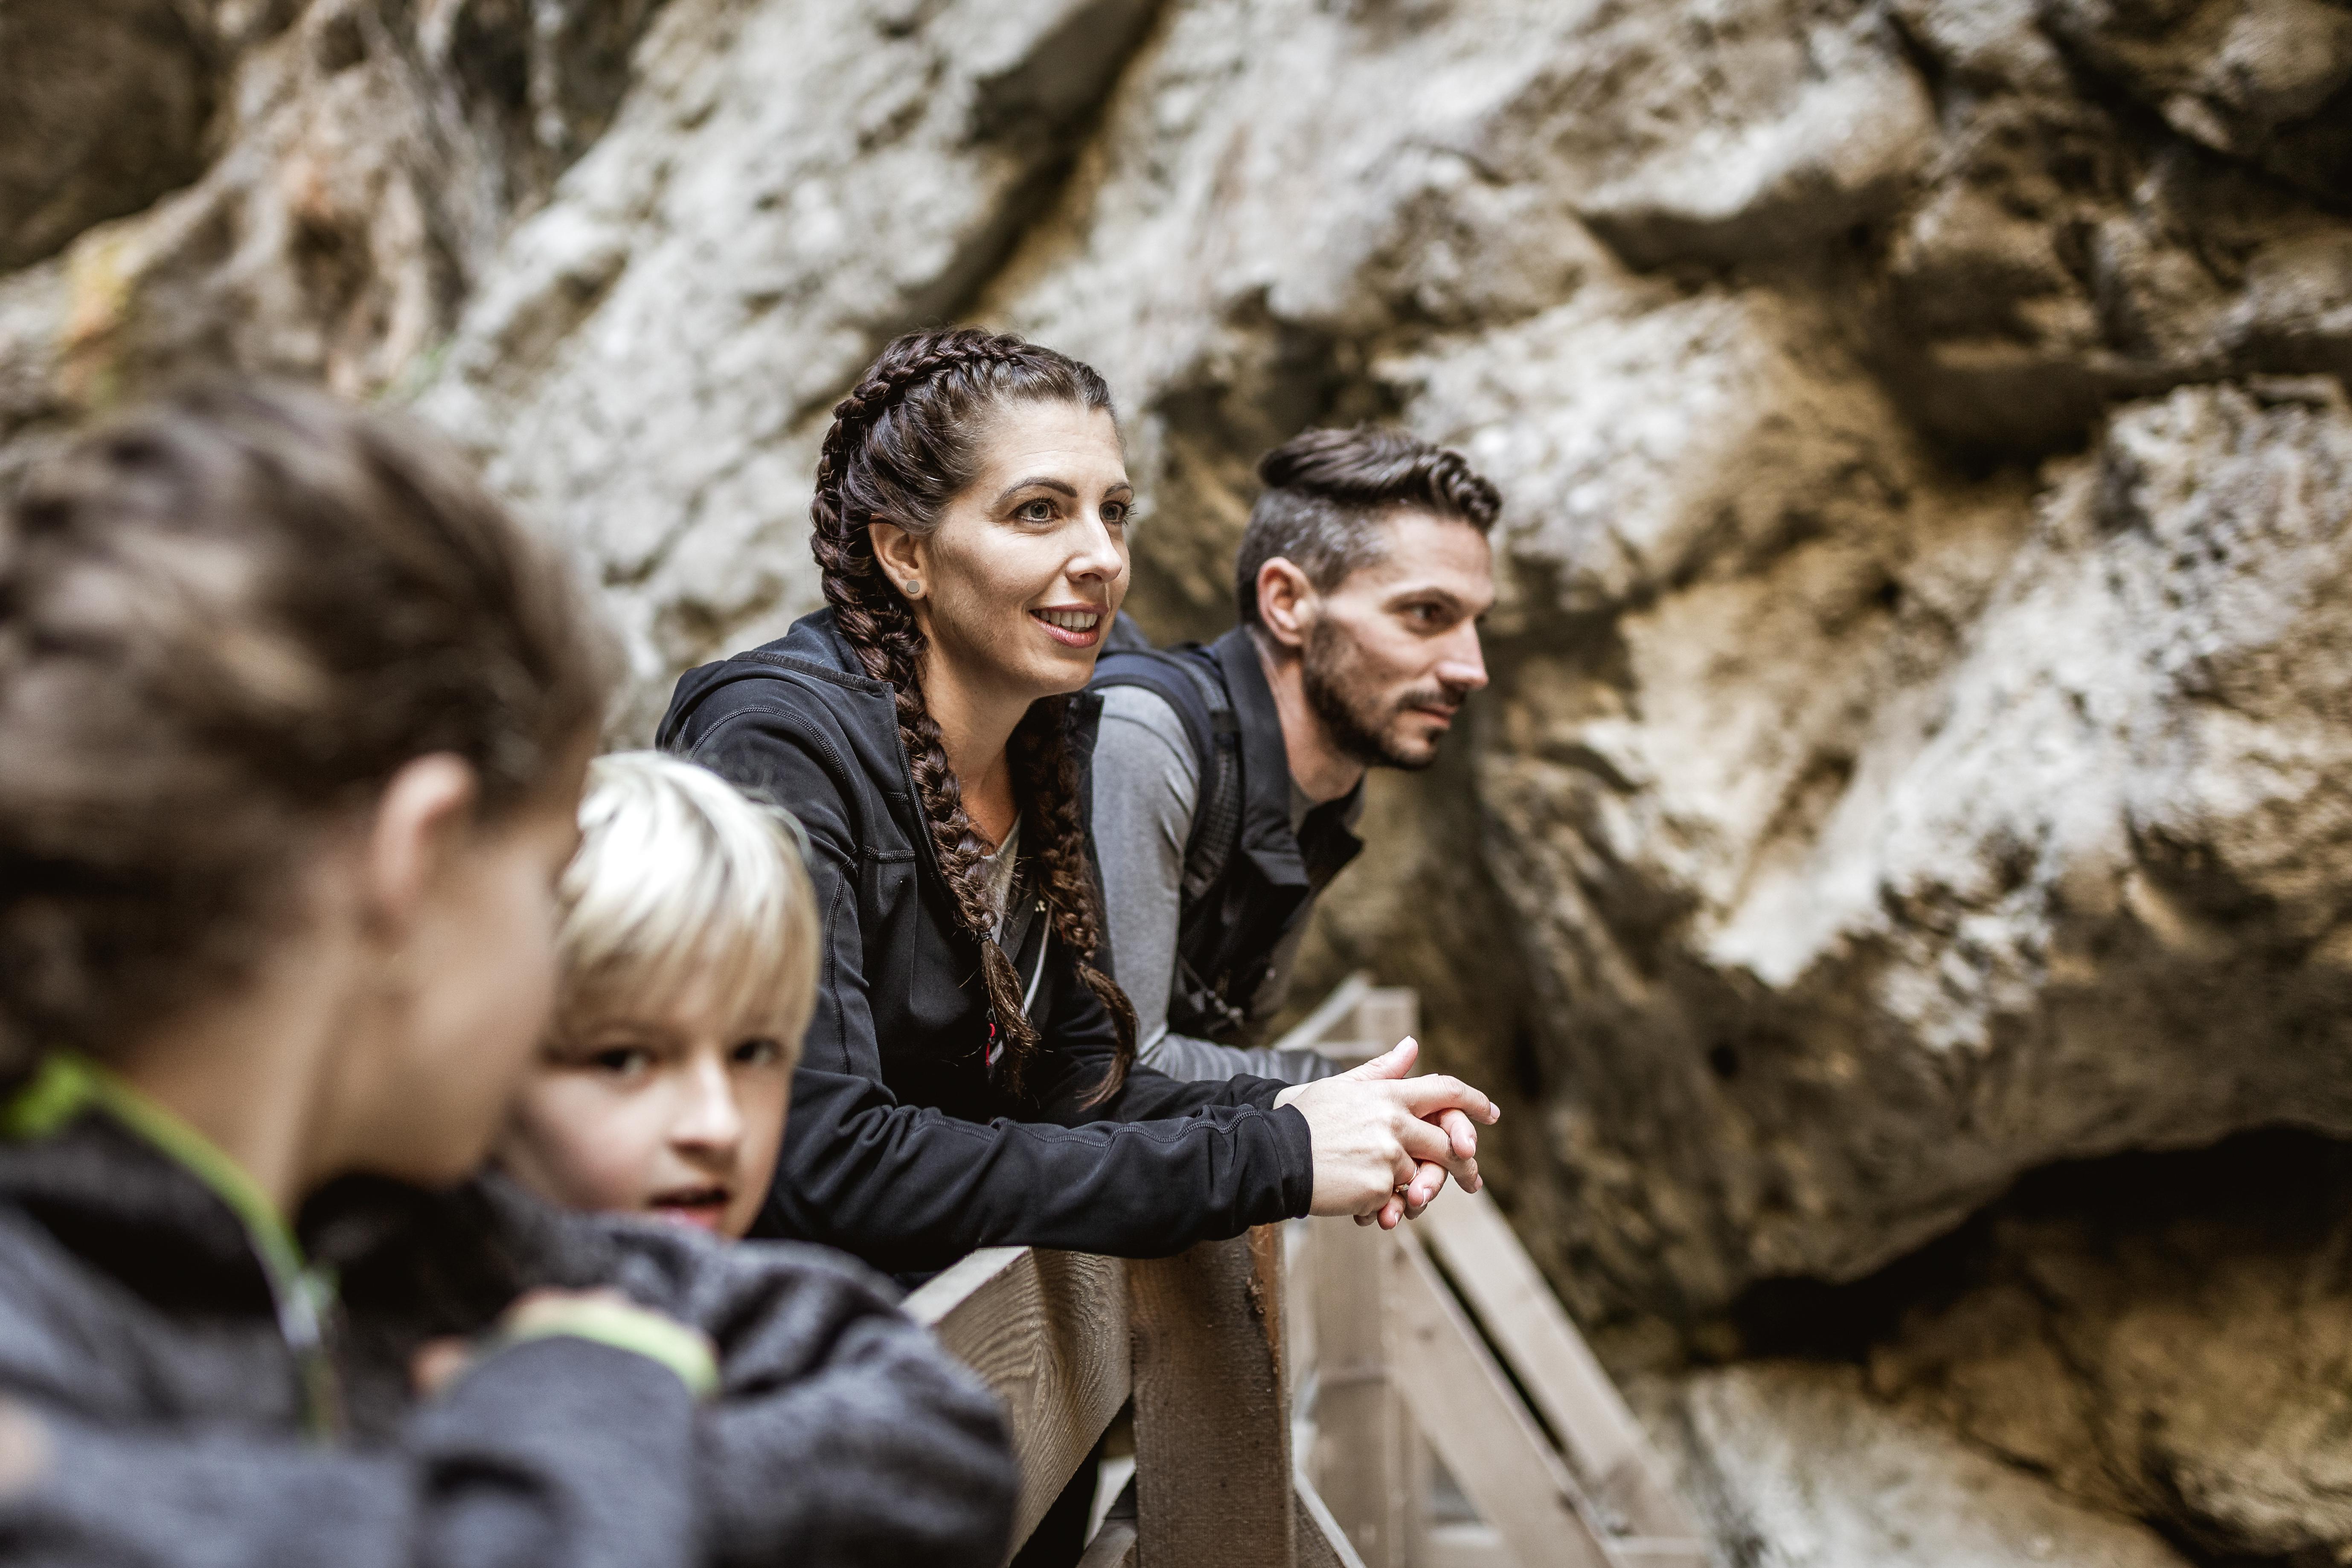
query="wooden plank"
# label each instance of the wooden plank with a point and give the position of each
(1607, 1449)
(1461, 1400)
(1478, 1545)
(1321, 1543)
(1331, 1017)
(1212, 1410)
(1048, 1331)
(1645, 1551)
(1112, 1547)
(1386, 1014)
(951, 1289)
(1298, 1339)
(1364, 1443)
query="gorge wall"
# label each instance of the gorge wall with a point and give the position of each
(1918, 753)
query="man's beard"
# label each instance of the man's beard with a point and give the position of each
(1358, 720)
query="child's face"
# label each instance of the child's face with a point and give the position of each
(680, 1115)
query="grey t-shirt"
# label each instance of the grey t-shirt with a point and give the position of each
(1010, 896)
(997, 872)
(1147, 785)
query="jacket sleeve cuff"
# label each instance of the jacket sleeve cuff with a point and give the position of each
(1297, 1145)
(624, 1327)
(1248, 1089)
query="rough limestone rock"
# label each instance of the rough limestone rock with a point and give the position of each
(2271, 83)
(1921, 681)
(1797, 1467)
(369, 161)
(2122, 712)
(106, 110)
(2164, 1336)
(654, 358)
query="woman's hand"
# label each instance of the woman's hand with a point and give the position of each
(1383, 1142)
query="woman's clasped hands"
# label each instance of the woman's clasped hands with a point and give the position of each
(1384, 1142)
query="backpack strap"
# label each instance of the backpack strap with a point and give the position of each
(1186, 680)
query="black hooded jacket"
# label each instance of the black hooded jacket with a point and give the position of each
(904, 1146)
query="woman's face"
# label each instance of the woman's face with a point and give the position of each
(1019, 582)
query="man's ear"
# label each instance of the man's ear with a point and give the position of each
(1287, 603)
(420, 821)
(899, 554)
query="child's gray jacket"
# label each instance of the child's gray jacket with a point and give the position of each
(157, 1407)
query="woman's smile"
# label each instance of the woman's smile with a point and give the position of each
(1072, 625)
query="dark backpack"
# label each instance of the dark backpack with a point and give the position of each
(1186, 679)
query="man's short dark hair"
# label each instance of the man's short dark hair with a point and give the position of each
(1329, 491)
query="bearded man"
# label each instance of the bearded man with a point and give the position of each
(1228, 779)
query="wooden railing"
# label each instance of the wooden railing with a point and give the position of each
(1196, 1342)
(1437, 1343)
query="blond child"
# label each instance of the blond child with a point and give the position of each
(688, 954)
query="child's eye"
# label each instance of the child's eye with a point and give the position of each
(761, 1053)
(623, 1062)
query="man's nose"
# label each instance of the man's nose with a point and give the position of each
(1461, 662)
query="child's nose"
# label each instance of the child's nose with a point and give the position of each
(710, 1119)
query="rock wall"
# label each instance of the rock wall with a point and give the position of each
(1922, 678)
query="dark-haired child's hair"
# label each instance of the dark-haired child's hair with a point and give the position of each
(1328, 493)
(903, 444)
(225, 622)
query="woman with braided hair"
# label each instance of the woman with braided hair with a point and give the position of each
(968, 1078)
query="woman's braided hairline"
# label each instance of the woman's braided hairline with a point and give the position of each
(877, 623)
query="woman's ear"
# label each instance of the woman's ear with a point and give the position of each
(420, 820)
(1286, 601)
(901, 555)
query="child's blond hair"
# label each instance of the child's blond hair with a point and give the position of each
(684, 883)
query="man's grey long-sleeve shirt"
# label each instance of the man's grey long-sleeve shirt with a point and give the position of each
(1147, 786)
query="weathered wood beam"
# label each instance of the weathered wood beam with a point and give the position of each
(1569, 1389)
(1212, 1409)
(1112, 1547)
(1333, 1019)
(1048, 1331)
(1364, 1462)
(1321, 1543)
(1489, 1443)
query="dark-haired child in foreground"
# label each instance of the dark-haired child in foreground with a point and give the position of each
(295, 725)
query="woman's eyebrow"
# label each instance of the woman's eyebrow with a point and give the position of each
(1042, 482)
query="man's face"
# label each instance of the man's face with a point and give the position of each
(1393, 650)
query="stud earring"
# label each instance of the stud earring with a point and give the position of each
(914, 587)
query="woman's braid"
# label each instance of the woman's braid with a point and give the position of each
(902, 447)
(1047, 773)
